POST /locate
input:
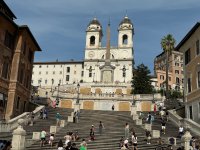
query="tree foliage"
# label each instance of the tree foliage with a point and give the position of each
(168, 43)
(141, 82)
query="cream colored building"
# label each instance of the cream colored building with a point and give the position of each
(175, 79)
(104, 77)
(189, 46)
(116, 67)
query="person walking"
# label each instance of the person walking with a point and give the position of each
(148, 136)
(51, 139)
(92, 137)
(58, 117)
(163, 126)
(45, 114)
(60, 145)
(149, 118)
(42, 137)
(134, 141)
(126, 129)
(113, 107)
(181, 131)
(101, 127)
(67, 138)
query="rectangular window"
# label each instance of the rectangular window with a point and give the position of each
(5, 70)
(47, 66)
(24, 48)
(90, 74)
(24, 107)
(46, 72)
(45, 81)
(82, 73)
(198, 78)
(18, 101)
(170, 78)
(74, 72)
(176, 71)
(177, 64)
(9, 40)
(67, 77)
(39, 72)
(60, 72)
(162, 77)
(21, 77)
(190, 112)
(30, 55)
(53, 72)
(189, 85)
(60, 81)
(197, 47)
(68, 69)
(187, 57)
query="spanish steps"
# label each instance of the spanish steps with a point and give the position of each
(114, 122)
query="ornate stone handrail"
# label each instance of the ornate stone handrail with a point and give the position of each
(13, 123)
(174, 117)
(136, 97)
(191, 125)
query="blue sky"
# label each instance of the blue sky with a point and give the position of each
(59, 25)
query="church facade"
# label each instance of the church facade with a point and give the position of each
(101, 64)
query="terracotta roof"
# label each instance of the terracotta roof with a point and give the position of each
(188, 35)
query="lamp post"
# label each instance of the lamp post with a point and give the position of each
(57, 98)
(93, 76)
(124, 72)
(77, 100)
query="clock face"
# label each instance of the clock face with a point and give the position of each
(91, 54)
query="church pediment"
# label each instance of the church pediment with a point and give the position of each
(107, 67)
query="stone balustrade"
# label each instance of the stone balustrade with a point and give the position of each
(174, 117)
(13, 123)
(137, 97)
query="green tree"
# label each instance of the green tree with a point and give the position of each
(141, 82)
(167, 43)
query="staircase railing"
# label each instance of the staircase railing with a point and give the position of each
(13, 123)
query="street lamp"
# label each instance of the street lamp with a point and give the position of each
(93, 76)
(57, 98)
(77, 100)
(124, 72)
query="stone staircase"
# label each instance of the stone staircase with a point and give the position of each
(40, 124)
(114, 123)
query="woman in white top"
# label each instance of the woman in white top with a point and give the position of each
(67, 139)
(134, 140)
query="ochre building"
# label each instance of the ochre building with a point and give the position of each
(17, 48)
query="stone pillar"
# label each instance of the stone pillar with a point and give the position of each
(155, 133)
(18, 140)
(135, 117)
(147, 126)
(133, 110)
(77, 107)
(138, 122)
(53, 129)
(62, 123)
(186, 140)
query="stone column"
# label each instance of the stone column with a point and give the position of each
(133, 110)
(186, 140)
(18, 140)
(77, 107)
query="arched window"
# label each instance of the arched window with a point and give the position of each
(90, 71)
(102, 57)
(125, 39)
(177, 80)
(92, 40)
(113, 57)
